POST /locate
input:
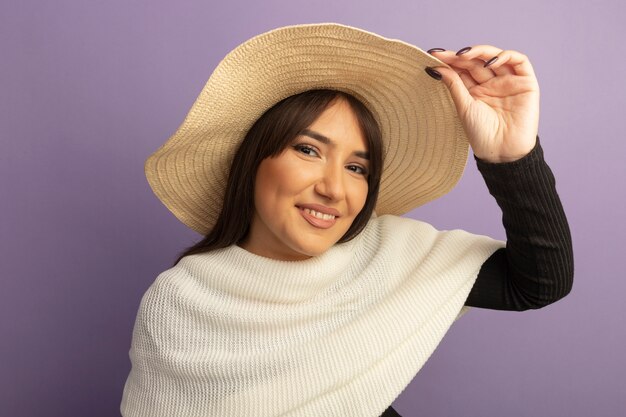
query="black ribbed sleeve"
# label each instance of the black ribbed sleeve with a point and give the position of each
(537, 267)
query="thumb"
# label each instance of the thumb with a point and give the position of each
(461, 97)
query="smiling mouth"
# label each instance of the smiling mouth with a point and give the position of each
(318, 219)
(319, 215)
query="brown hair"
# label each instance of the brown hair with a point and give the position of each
(268, 137)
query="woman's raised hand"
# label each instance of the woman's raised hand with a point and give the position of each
(498, 103)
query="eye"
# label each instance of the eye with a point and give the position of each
(358, 170)
(306, 149)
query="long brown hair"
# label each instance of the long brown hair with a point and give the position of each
(268, 137)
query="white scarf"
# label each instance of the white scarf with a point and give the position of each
(230, 333)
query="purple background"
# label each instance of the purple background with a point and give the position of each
(88, 89)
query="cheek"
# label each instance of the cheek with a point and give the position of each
(265, 190)
(359, 197)
(278, 180)
(262, 183)
(288, 172)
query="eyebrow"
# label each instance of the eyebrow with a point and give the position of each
(318, 136)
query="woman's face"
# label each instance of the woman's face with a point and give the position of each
(307, 197)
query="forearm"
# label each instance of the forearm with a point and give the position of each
(536, 267)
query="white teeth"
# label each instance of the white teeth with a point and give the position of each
(319, 215)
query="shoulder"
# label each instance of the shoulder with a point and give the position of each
(196, 279)
(389, 223)
(399, 236)
(169, 292)
(161, 292)
(392, 230)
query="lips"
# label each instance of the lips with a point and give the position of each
(319, 216)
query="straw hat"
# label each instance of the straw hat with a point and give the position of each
(424, 145)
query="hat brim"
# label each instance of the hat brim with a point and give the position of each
(425, 147)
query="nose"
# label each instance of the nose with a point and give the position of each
(331, 183)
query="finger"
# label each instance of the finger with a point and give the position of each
(444, 55)
(486, 53)
(461, 97)
(467, 79)
(474, 67)
(507, 62)
(519, 62)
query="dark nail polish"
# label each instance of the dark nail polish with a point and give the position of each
(464, 50)
(433, 73)
(430, 51)
(491, 61)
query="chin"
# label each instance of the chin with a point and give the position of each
(311, 251)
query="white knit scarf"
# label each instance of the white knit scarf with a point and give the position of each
(230, 333)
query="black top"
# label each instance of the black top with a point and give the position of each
(537, 266)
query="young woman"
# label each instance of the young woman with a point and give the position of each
(309, 295)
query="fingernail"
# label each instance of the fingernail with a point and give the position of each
(491, 61)
(433, 73)
(430, 51)
(464, 50)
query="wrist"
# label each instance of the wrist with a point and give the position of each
(505, 159)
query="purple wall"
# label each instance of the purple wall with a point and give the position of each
(89, 89)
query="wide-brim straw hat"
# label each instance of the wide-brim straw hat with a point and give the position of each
(424, 145)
